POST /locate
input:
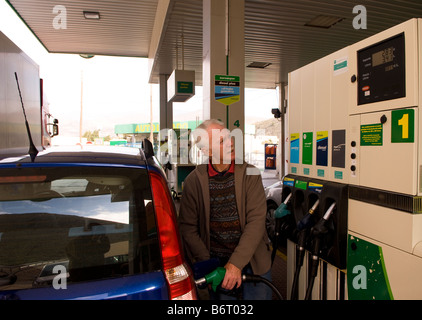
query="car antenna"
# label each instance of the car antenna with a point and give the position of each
(32, 149)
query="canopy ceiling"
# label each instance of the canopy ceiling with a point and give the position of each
(276, 31)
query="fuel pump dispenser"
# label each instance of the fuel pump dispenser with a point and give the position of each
(385, 224)
(360, 139)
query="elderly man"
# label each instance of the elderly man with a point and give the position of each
(222, 212)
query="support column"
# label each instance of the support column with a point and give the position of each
(224, 54)
(166, 108)
(281, 150)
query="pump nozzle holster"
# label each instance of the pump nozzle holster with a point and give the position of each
(321, 229)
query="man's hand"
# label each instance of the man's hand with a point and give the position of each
(232, 278)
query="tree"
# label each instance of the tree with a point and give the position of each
(91, 135)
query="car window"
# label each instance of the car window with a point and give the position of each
(89, 222)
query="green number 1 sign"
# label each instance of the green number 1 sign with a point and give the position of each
(403, 126)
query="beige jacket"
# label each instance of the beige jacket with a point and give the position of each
(194, 217)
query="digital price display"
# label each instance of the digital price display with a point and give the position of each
(381, 71)
(383, 56)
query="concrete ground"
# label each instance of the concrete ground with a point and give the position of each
(279, 273)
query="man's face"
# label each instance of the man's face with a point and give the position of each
(221, 145)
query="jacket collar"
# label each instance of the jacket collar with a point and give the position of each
(212, 172)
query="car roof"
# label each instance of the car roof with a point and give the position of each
(83, 154)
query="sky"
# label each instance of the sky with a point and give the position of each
(111, 90)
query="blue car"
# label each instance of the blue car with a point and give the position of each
(89, 223)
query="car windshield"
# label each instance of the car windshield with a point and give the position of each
(88, 222)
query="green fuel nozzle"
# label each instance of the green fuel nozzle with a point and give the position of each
(282, 210)
(214, 278)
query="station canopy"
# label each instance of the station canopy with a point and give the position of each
(280, 35)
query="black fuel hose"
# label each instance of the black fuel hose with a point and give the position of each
(255, 279)
(314, 272)
(300, 254)
(276, 235)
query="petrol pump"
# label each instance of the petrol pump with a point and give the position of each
(385, 224)
(355, 150)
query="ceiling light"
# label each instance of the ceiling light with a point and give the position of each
(92, 15)
(260, 65)
(323, 21)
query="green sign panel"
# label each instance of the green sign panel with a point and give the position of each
(308, 146)
(301, 184)
(184, 87)
(340, 64)
(403, 126)
(136, 128)
(371, 135)
(367, 277)
(227, 89)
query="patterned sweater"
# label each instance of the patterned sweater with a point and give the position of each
(225, 230)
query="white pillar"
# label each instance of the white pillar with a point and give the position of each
(223, 54)
(166, 108)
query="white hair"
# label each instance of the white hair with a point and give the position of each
(202, 139)
(201, 132)
(207, 123)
